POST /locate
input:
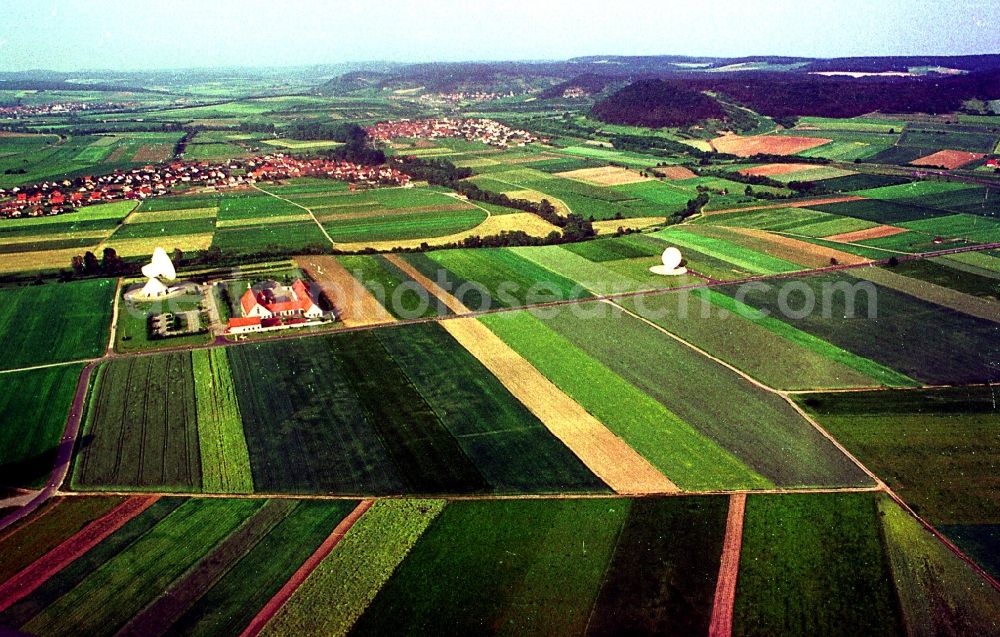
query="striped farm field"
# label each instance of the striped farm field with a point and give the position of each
(393, 288)
(920, 339)
(234, 556)
(594, 567)
(763, 432)
(496, 224)
(33, 409)
(225, 462)
(398, 225)
(58, 520)
(141, 426)
(765, 347)
(491, 278)
(604, 453)
(346, 582)
(747, 259)
(686, 456)
(55, 322)
(374, 413)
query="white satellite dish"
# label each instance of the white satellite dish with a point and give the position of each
(671, 265)
(159, 266)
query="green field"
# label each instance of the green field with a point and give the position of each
(763, 433)
(492, 278)
(814, 565)
(346, 582)
(938, 593)
(55, 322)
(691, 460)
(934, 446)
(924, 341)
(372, 413)
(33, 409)
(765, 347)
(225, 462)
(402, 226)
(528, 567)
(140, 430)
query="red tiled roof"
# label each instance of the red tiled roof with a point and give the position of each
(244, 321)
(248, 301)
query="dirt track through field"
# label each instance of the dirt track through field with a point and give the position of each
(729, 569)
(39, 571)
(273, 605)
(604, 453)
(433, 288)
(354, 304)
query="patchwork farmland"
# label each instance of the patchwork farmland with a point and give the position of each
(502, 417)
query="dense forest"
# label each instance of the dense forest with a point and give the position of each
(657, 103)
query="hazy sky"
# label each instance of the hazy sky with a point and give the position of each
(128, 34)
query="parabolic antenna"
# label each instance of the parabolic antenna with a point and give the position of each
(671, 265)
(159, 266)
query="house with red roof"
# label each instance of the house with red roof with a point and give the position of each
(274, 305)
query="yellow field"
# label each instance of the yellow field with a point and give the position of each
(494, 225)
(353, 303)
(611, 226)
(145, 247)
(605, 176)
(261, 221)
(49, 259)
(172, 215)
(535, 196)
(604, 453)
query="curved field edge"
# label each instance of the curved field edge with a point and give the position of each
(691, 460)
(330, 601)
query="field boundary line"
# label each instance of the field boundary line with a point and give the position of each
(432, 288)
(114, 317)
(729, 569)
(273, 605)
(311, 214)
(48, 365)
(38, 572)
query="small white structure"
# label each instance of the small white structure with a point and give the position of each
(671, 265)
(159, 267)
